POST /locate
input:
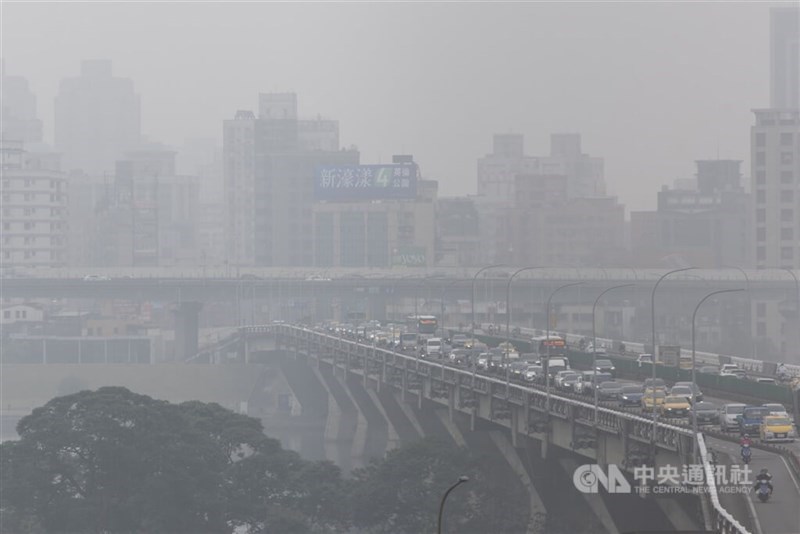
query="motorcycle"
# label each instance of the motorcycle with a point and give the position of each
(763, 491)
(746, 454)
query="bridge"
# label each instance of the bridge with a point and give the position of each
(535, 431)
(390, 295)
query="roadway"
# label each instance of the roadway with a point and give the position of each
(780, 515)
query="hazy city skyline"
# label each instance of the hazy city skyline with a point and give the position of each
(651, 88)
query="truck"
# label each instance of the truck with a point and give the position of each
(669, 355)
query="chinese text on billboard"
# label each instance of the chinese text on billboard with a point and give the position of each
(365, 182)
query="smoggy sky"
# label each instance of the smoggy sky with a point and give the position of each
(651, 86)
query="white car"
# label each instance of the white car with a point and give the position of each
(776, 409)
(728, 416)
(96, 278)
(532, 373)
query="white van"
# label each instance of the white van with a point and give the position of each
(433, 347)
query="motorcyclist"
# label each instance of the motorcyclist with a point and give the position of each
(763, 477)
(745, 440)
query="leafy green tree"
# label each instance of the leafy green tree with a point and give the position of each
(402, 492)
(114, 461)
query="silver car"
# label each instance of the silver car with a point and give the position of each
(728, 416)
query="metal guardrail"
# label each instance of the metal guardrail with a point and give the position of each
(724, 522)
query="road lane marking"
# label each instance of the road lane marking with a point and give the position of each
(753, 514)
(791, 474)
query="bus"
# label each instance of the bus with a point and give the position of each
(556, 344)
(424, 325)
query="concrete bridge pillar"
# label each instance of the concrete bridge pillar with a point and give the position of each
(187, 315)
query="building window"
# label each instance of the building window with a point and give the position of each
(7, 314)
(787, 234)
(787, 215)
(786, 139)
(6, 226)
(761, 309)
(761, 234)
(761, 158)
(787, 195)
(761, 253)
(787, 253)
(761, 177)
(787, 177)
(761, 215)
(761, 139)
(28, 226)
(761, 196)
(761, 329)
(787, 158)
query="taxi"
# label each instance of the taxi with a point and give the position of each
(675, 406)
(777, 428)
(650, 398)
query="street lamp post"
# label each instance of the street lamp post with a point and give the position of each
(594, 343)
(474, 279)
(460, 481)
(653, 319)
(796, 289)
(547, 340)
(749, 307)
(508, 319)
(441, 302)
(694, 383)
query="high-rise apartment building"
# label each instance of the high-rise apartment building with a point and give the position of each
(552, 229)
(775, 185)
(381, 233)
(497, 194)
(775, 151)
(97, 118)
(269, 163)
(19, 120)
(34, 208)
(701, 222)
(784, 58)
(775, 181)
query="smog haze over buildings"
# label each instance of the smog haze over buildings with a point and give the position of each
(355, 225)
(651, 86)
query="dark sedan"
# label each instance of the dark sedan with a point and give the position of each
(608, 390)
(707, 413)
(630, 396)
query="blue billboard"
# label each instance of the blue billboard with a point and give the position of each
(365, 182)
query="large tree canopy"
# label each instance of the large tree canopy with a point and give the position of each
(114, 461)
